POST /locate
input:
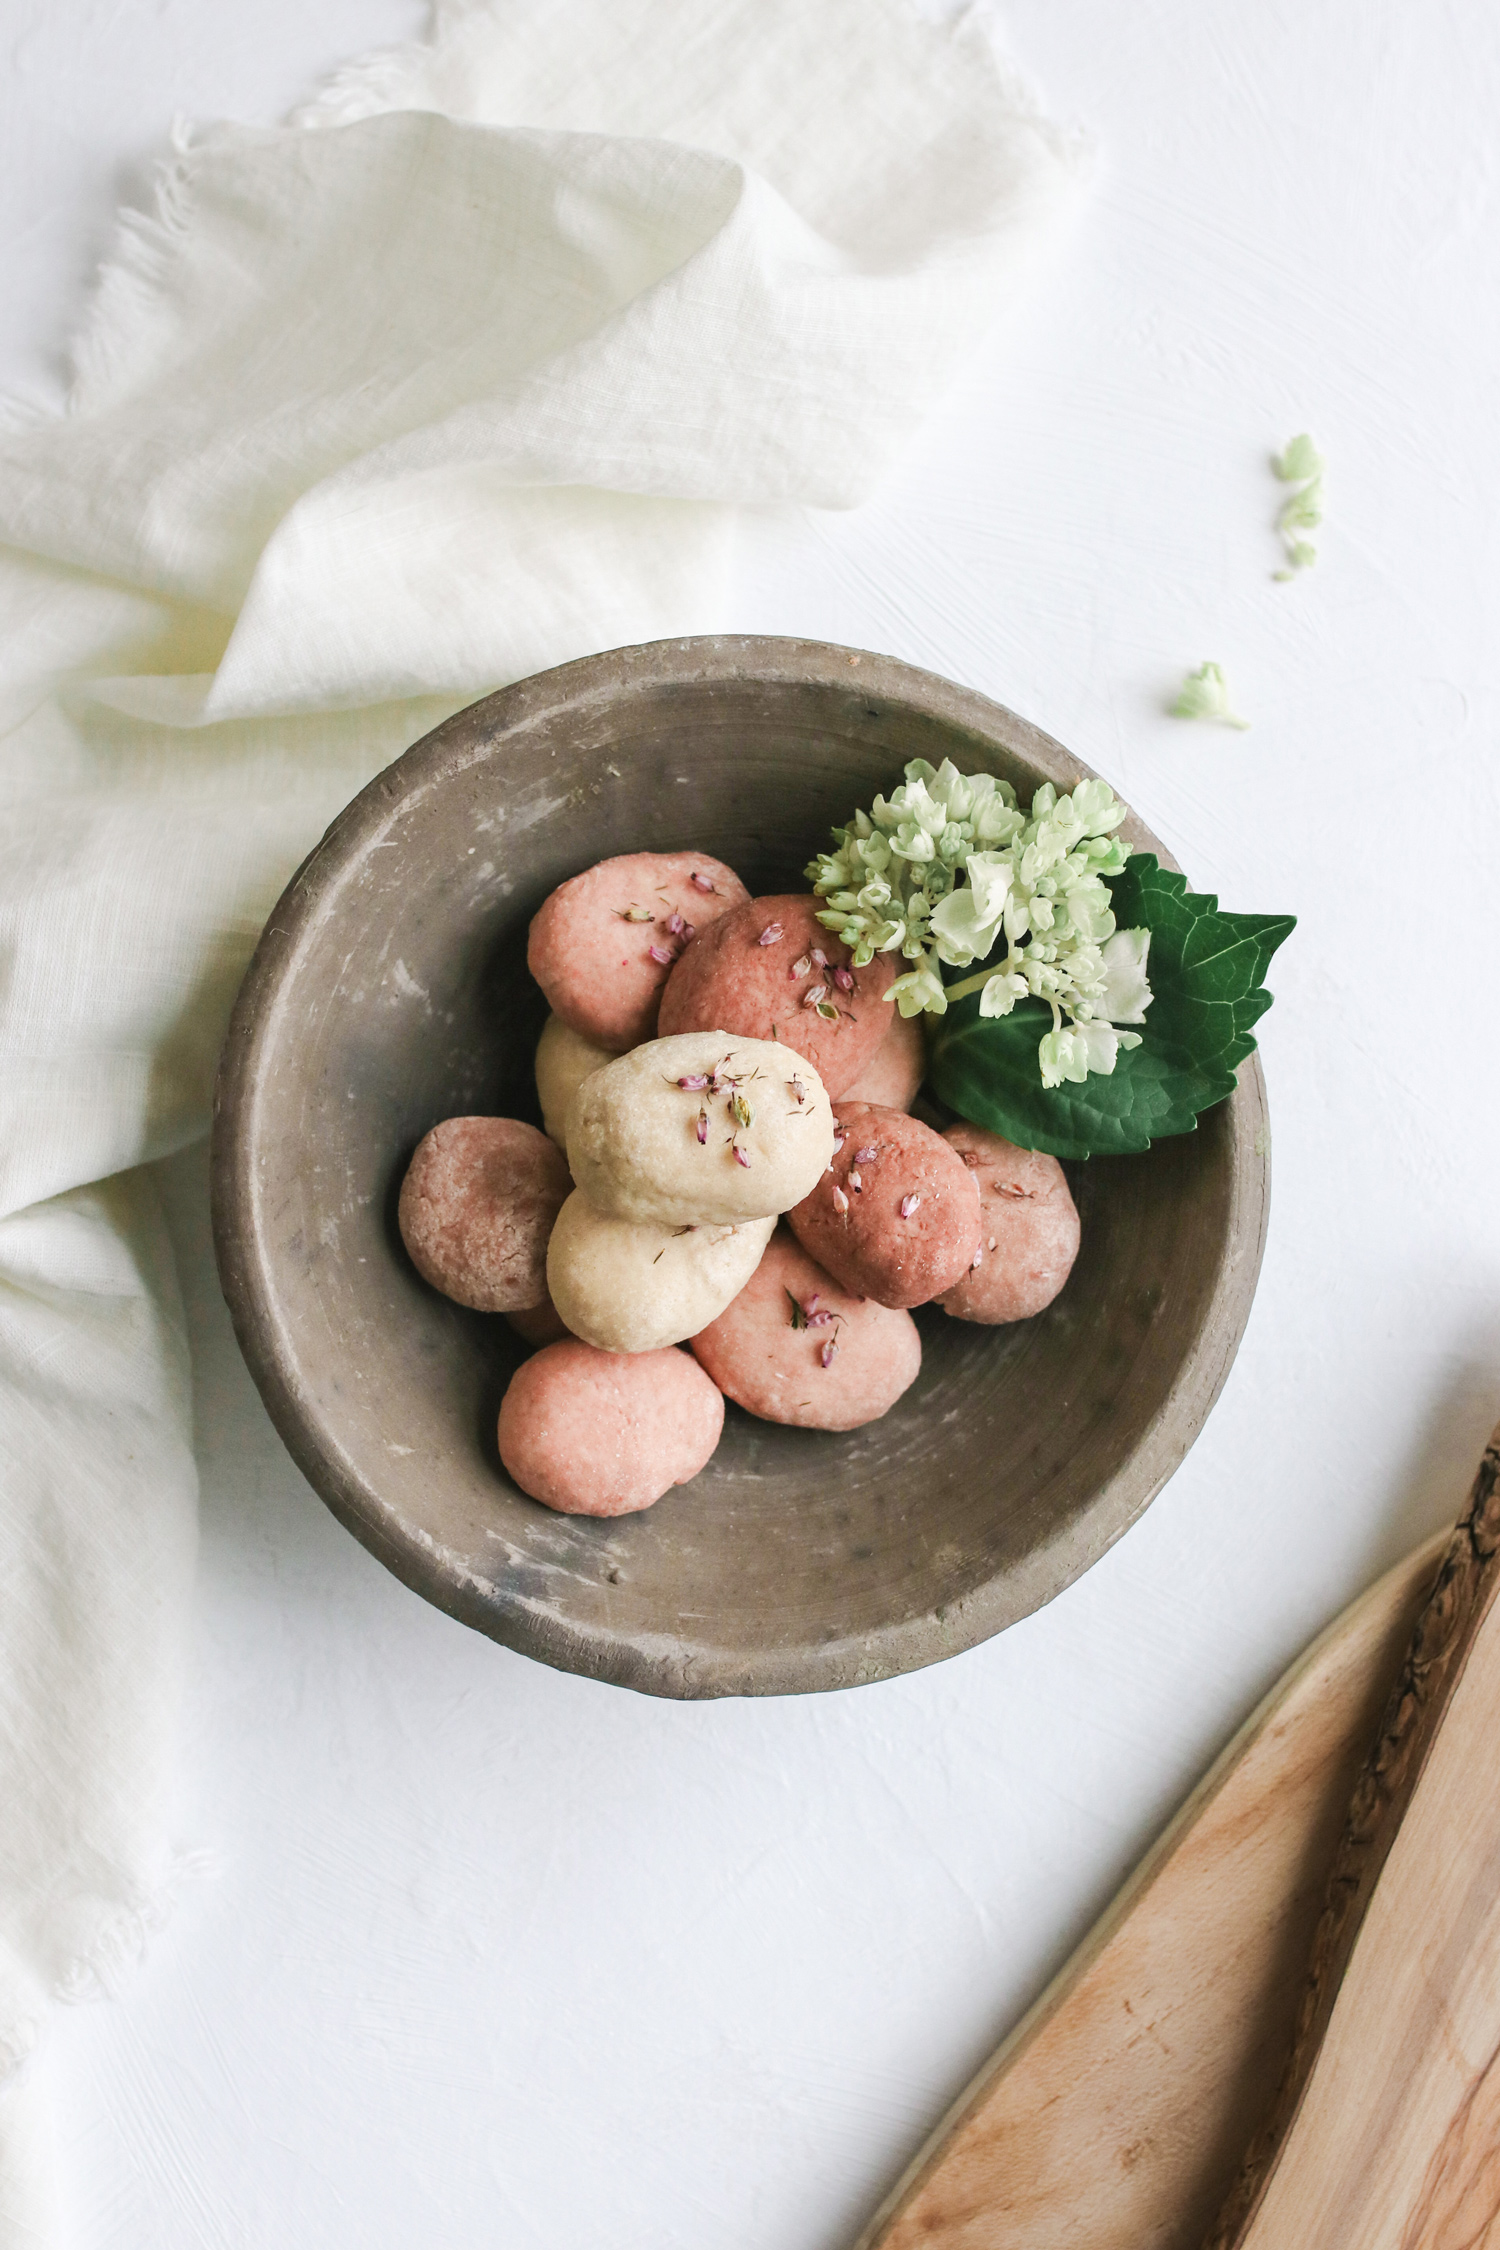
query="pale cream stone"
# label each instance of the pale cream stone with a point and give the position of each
(632, 1131)
(629, 1288)
(564, 1058)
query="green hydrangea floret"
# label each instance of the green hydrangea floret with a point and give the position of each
(1301, 466)
(1204, 694)
(948, 868)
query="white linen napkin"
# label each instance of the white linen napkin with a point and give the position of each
(458, 376)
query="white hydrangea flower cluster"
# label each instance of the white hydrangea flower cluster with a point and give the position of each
(949, 864)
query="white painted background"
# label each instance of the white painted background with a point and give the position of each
(496, 1957)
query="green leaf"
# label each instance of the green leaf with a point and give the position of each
(1207, 973)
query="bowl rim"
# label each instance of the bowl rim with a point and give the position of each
(668, 1667)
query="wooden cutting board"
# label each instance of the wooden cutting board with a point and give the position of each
(1116, 2114)
(1385, 2130)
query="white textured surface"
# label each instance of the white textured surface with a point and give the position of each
(497, 1956)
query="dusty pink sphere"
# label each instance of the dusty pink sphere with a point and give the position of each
(896, 1217)
(834, 1362)
(603, 971)
(1028, 1233)
(596, 1433)
(477, 1207)
(752, 975)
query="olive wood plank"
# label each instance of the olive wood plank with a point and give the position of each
(1115, 2114)
(1385, 2131)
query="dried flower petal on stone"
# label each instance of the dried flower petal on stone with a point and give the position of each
(843, 980)
(635, 914)
(829, 1353)
(740, 1157)
(662, 954)
(813, 994)
(770, 934)
(867, 1155)
(855, 1181)
(840, 1201)
(703, 1128)
(909, 1204)
(799, 1091)
(828, 1011)
(700, 882)
(694, 1083)
(743, 1113)
(800, 968)
(819, 958)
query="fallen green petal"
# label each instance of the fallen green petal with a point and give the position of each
(1300, 465)
(1205, 695)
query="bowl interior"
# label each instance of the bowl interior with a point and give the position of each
(391, 991)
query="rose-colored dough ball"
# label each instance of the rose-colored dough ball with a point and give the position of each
(1028, 1233)
(739, 977)
(601, 1434)
(539, 1324)
(897, 1218)
(759, 1356)
(602, 946)
(897, 1067)
(477, 1207)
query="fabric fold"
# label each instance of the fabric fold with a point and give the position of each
(562, 334)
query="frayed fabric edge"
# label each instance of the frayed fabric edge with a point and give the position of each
(387, 78)
(121, 1942)
(127, 298)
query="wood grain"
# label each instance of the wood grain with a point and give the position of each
(1383, 2133)
(1116, 2113)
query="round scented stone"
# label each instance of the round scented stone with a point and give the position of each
(896, 1217)
(603, 945)
(564, 1058)
(755, 974)
(477, 1207)
(794, 1347)
(1028, 1235)
(593, 1433)
(632, 1288)
(700, 1129)
(898, 1066)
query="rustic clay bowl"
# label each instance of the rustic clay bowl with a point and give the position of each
(390, 991)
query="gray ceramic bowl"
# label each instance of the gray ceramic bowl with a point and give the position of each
(390, 991)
